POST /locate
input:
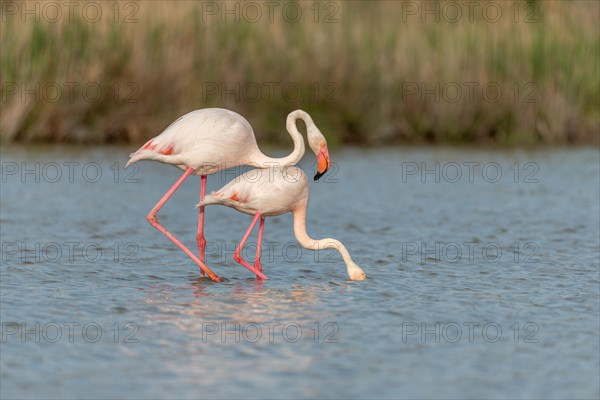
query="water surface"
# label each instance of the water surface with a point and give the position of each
(482, 281)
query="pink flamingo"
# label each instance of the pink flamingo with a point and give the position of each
(275, 191)
(210, 140)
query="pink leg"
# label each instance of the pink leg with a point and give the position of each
(154, 222)
(257, 263)
(200, 236)
(238, 258)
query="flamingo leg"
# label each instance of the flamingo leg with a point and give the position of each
(257, 263)
(200, 235)
(154, 222)
(238, 258)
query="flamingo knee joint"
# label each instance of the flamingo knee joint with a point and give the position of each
(237, 257)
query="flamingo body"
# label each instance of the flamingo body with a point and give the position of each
(268, 191)
(208, 140)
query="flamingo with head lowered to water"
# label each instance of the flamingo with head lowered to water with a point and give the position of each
(275, 191)
(210, 140)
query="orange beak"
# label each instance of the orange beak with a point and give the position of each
(323, 162)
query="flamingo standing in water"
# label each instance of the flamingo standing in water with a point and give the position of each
(275, 191)
(210, 140)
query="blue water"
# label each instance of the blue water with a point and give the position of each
(483, 281)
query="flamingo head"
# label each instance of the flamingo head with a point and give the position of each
(355, 272)
(318, 144)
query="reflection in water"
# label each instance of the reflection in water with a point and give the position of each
(239, 301)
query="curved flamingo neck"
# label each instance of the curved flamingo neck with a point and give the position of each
(313, 244)
(295, 156)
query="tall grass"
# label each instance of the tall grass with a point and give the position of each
(374, 74)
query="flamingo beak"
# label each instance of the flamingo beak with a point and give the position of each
(323, 162)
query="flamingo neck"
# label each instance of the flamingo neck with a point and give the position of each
(295, 156)
(312, 244)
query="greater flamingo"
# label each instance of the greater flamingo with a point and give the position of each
(210, 140)
(275, 191)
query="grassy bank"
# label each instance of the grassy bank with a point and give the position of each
(375, 73)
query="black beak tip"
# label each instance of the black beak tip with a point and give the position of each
(319, 175)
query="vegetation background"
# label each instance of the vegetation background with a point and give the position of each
(377, 72)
